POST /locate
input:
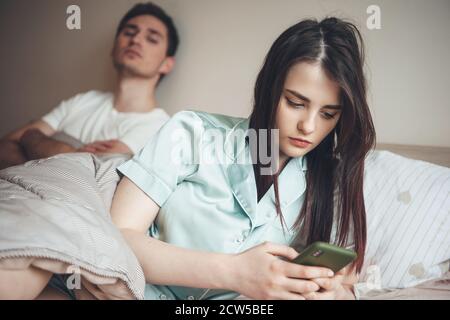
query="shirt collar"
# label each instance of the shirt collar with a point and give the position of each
(292, 182)
(235, 144)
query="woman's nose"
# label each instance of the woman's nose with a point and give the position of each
(307, 124)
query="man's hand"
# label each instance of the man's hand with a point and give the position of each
(338, 287)
(106, 146)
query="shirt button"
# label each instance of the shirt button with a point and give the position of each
(242, 238)
(191, 298)
(163, 297)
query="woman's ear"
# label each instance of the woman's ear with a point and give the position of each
(167, 65)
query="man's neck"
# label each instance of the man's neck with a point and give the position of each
(135, 95)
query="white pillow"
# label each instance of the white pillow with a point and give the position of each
(408, 221)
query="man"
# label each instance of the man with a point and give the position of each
(120, 122)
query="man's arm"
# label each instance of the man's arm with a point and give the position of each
(11, 154)
(11, 151)
(37, 145)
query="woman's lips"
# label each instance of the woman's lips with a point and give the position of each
(299, 143)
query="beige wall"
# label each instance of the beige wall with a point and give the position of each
(223, 43)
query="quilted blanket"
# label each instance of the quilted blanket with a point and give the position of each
(54, 215)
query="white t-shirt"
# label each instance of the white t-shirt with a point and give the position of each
(91, 117)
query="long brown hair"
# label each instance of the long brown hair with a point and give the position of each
(335, 168)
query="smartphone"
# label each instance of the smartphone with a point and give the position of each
(322, 254)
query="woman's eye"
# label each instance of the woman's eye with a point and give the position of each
(327, 115)
(294, 104)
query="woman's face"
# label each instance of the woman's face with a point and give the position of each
(308, 110)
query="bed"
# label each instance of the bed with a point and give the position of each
(84, 241)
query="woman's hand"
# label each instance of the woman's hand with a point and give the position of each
(261, 274)
(338, 287)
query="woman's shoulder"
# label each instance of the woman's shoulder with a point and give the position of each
(206, 119)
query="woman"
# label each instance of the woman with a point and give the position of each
(222, 229)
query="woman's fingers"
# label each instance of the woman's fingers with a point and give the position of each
(292, 296)
(326, 295)
(280, 250)
(278, 278)
(327, 284)
(300, 286)
(294, 270)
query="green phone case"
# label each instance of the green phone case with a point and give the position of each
(322, 254)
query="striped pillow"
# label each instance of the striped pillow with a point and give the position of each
(408, 220)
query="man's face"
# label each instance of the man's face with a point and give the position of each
(140, 48)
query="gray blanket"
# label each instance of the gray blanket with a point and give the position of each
(54, 215)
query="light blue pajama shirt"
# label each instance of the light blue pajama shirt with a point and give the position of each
(211, 205)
